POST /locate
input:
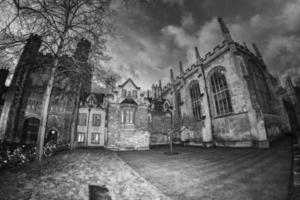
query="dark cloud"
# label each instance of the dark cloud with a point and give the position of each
(153, 38)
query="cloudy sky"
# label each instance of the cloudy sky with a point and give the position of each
(151, 39)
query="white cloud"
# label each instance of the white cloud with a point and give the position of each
(149, 58)
(291, 15)
(187, 20)
(205, 39)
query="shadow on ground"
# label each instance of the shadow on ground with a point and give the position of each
(217, 173)
(67, 176)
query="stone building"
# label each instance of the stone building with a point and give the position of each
(91, 125)
(227, 98)
(127, 122)
(21, 112)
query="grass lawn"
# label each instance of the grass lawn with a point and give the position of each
(66, 176)
(217, 173)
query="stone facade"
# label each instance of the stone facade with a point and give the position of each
(227, 98)
(21, 113)
(127, 125)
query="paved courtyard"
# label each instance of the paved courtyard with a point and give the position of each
(217, 173)
(195, 173)
(66, 176)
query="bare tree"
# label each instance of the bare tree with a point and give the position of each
(171, 129)
(61, 24)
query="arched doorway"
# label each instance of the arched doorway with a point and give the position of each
(30, 130)
(52, 136)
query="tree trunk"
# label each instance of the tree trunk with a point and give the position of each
(45, 109)
(74, 122)
(171, 145)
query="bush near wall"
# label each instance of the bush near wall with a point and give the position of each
(14, 155)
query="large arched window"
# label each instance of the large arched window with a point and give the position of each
(195, 99)
(260, 86)
(220, 92)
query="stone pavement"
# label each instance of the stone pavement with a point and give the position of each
(67, 176)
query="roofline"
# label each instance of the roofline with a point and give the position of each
(122, 85)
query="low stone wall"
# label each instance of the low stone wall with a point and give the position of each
(233, 128)
(159, 124)
(129, 140)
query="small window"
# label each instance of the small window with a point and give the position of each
(80, 137)
(129, 94)
(166, 106)
(124, 93)
(134, 94)
(96, 120)
(127, 116)
(82, 119)
(95, 138)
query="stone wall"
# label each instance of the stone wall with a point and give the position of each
(160, 124)
(232, 128)
(118, 138)
(129, 140)
(141, 118)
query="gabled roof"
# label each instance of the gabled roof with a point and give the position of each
(98, 97)
(131, 82)
(128, 101)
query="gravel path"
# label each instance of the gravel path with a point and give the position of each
(67, 176)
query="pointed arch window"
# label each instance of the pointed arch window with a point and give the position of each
(196, 99)
(221, 95)
(262, 92)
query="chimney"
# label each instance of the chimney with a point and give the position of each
(225, 31)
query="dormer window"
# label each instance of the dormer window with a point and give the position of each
(129, 94)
